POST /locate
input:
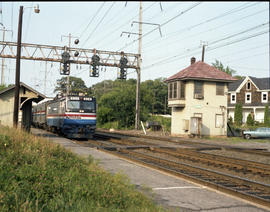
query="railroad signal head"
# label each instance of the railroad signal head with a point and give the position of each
(64, 68)
(94, 72)
(65, 57)
(123, 70)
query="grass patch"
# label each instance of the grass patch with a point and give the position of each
(36, 175)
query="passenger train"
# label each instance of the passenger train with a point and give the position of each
(74, 116)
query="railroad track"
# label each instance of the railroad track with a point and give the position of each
(198, 145)
(237, 165)
(249, 190)
(252, 191)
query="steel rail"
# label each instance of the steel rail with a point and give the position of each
(249, 190)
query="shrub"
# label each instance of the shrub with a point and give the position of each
(238, 116)
(266, 116)
(230, 121)
(250, 121)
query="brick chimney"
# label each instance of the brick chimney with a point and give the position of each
(192, 60)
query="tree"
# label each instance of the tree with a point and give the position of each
(250, 120)
(2, 87)
(118, 105)
(155, 95)
(220, 66)
(238, 116)
(77, 85)
(266, 115)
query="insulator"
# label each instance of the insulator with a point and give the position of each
(76, 53)
(76, 41)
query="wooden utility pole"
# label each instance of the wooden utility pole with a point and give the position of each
(203, 49)
(17, 77)
(137, 118)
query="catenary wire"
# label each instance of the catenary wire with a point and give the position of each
(196, 25)
(172, 58)
(116, 30)
(166, 22)
(106, 13)
(96, 13)
(230, 36)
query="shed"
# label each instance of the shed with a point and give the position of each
(27, 96)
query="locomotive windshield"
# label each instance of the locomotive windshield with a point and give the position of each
(78, 105)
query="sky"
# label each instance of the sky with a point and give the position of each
(235, 33)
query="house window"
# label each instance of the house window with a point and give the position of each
(264, 97)
(233, 98)
(198, 90)
(170, 90)
(248, 86)
(220, 88)
(219, 121)
(182, 90)
(248, 98)
(175, 90)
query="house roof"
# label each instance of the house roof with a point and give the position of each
(201, 71)
(261, 83)
(234, 85)
(40, 95)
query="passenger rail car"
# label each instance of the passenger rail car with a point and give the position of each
(72, 116)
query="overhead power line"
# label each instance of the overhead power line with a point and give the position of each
(239, 33)
(96, 13)
(242, 58)
(173, 34)
(237, 9)
(166, 22)
(173, 58)
(116, 30)
(106, 13)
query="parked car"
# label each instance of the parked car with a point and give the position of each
(261, 132)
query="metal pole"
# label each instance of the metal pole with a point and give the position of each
(3, 60)
(69, 41)
(45, 79)
(137, 120)
(17, 77)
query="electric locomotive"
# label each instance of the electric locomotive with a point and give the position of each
(74, 116)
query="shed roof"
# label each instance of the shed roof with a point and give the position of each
(40, 95)
(201, 71)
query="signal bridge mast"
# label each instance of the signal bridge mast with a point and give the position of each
(51, 53)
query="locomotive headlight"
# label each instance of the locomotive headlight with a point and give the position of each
(74, 98)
